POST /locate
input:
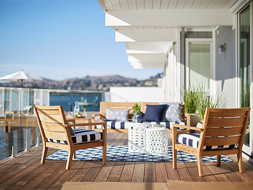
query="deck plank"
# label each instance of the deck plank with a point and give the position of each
(19, 175)
(116, 172)
(183, 172)
(216, 171)
(172, 173)
(149, 174)
(93, 172)
(235, 170)
(138, 174)
(161, 173)
(67, 175)
(117, 139)
(51, 179)
(27, 178)
(41, 177)
(127, 172)
(123, 140)
(104, 173)
(229, 174)
(208, 174)
(26, 172)
(79, 175)
(193, 170)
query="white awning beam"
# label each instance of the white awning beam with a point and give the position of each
(154, 57)
(146, 35)
(143, 65)
(172, 17)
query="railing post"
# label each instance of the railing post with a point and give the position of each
(38, 142)
(26, 146)
(13, 152)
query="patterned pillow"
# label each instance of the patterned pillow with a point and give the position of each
(173, 112)
(117, 115)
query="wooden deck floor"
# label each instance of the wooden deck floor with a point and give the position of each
(26, 172)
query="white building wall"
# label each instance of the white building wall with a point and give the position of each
(137, 94)
(225, 66)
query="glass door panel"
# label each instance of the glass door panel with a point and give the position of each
(244, 62)
(199, 64)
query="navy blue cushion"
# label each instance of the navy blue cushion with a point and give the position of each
(155, 112)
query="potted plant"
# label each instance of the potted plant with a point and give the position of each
(204, 100)
(138, 115)
(189, 96)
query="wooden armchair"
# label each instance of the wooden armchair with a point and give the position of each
(57, 133)
(222, 133)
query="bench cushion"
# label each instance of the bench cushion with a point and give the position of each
(124, 125)
(82, 136)
(193, 141)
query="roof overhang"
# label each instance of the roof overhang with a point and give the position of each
(150, 28)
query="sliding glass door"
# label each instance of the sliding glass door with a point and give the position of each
(245, 67)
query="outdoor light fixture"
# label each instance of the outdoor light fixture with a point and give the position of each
(222, 48)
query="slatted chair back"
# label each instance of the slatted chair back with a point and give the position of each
(224, 127)
(52, 123)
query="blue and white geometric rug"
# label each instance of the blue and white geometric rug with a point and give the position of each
(120, 153)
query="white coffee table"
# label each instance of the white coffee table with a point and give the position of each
(156, 140)
(136, 136)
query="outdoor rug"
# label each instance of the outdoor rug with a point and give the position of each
(120, 153)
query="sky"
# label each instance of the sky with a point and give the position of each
(61, 39)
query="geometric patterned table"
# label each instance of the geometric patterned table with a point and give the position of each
(144, 137)
(136, 136)
(156, 140)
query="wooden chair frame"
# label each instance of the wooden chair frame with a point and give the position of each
(53, 124)
(220, 127)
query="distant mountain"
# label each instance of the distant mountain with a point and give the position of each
(101, 83)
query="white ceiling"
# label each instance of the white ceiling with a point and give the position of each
(107, 5)
(149, 27)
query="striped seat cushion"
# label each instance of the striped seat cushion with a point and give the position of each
(193, 141)
(114, 125)
(82, 136)
(124, 125)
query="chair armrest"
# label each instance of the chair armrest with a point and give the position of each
(187, 127)
(101, 117)
(86, 124)
(71, 120)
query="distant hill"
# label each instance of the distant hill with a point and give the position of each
(101, 83)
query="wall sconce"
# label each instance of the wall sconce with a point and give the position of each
(222, 48)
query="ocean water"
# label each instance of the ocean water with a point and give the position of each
(67, 100)
(17, 137)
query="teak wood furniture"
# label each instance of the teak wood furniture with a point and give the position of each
(221, 127)
(128, 106)
(53, 125)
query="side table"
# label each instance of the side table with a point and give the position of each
(136, 136)
(157, 140)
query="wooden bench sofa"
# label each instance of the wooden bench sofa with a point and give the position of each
(127, 106)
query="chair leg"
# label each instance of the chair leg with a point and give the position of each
(200, 167)
(104, 154)
(74, 155)
(218, 160)
(174, 158)
(70, 156)
(240, 162)
(44, 154)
